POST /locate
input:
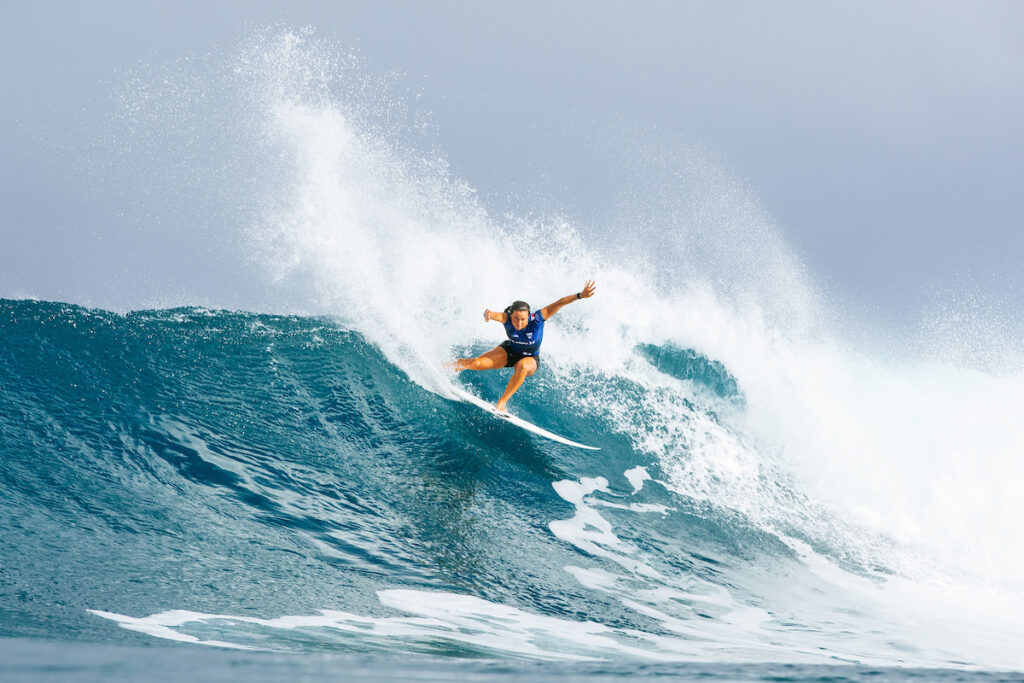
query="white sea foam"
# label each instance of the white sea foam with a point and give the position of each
(636, 477)
(844, 617)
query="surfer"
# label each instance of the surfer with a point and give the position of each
(521, 350)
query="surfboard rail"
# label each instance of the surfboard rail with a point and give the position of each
(467, 397)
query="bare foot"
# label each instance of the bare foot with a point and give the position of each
(500, 405)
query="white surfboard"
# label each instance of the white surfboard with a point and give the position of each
(467, 397)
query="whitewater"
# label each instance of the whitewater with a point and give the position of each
(295, 485)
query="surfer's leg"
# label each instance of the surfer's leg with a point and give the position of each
(495, 358)
(524, 368)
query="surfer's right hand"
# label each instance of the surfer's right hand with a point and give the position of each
(487, 315)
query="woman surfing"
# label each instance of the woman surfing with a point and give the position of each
(521, 351)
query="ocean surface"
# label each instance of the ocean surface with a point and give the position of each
(263, 472)
(193, 492)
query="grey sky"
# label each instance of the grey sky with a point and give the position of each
(884, 138)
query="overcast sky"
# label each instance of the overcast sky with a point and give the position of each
(885, 139)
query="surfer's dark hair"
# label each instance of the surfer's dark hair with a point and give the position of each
(517, 306)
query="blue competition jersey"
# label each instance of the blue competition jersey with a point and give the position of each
(527, 340)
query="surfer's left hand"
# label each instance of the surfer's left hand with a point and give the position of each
(588, 290)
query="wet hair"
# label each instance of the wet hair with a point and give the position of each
(517, 306)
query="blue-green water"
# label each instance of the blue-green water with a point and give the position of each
(30, 660)
(274, 495)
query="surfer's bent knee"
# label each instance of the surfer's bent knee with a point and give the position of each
(527, 365)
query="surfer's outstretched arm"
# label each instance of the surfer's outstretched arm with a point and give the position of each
(551, 309)
(490, 315)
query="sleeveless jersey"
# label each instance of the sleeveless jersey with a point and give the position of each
(526, 341)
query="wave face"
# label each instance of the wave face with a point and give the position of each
(274, 482)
